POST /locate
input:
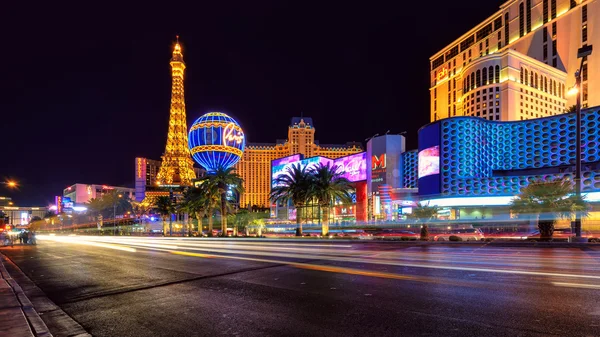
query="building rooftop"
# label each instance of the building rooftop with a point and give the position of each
(307, 121)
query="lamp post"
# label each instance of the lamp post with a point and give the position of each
(8, 183)
(582, 53)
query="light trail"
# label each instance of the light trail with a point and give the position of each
(232, 248)
(87, 243)
(576, 285)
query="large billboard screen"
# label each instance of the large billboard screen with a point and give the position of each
(286, 160)
(278, 170)
(354, 167)
(429, 161)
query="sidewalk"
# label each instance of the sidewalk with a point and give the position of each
(18, 318)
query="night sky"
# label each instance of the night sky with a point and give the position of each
(83, 91)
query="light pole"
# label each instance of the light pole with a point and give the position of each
(9, 183)
(582, 53)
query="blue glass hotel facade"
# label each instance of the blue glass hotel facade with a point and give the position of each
(476, 166)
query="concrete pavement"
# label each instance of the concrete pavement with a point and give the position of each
(18, 317)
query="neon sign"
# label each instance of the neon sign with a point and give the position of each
(353, 167)
(230, 134)
(443, 74)
(378, 162)
(139, 167)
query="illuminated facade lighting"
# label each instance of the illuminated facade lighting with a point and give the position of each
(177, 165)
(548, 35)
(255, 165)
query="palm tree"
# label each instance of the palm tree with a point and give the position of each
(164, 207)
(328, 187)
(224, 179)
(212, 201)
(196, 202)
(424, 213)
(548, 201)
(294, 185)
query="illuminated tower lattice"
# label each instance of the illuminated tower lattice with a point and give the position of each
(177, 164)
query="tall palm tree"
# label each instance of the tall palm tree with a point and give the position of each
(164, 207)
(212, 201)
(548, 201)
(195, 202)
(224, 179)
(294, 185)
(329, 186)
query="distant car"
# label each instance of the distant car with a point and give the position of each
(563, 234)
(467, 234)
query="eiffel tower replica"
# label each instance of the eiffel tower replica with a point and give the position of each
(176, 170)
(177, 166)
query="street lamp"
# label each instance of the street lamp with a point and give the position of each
(9, 183)
(582, 53)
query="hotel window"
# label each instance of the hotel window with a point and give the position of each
(545, 9)
(526, 78)
(528, 16)
(545, 51)
(536, 81)
(554, 62)
(554, 29)
(553, 9)
(506, 29)
(584, 13)
(491, 75)
(553, 47)
(584, 34)
(521, 22)
(572, 4)
(531, 83)
(521, 75)
(484, 75)
(497, 75)
(545, 34)
(472, 81)
(584, 72)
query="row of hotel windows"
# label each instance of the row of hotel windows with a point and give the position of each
(481, 77)
(542, 83)
(524, 28)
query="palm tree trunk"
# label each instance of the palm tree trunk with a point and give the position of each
(199, 218)
(298, 221)
(325, 221)
(223, 215)
(164, 221)
(210, 223)
(170, 224)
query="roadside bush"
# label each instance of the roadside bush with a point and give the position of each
(404, 238)
(455, 238)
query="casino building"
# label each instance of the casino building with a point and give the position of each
(519, 63)
(255, 164)
(475, 167)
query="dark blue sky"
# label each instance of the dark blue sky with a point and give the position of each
(83, 91)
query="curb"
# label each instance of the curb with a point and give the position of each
(37, 325)
(61, 323)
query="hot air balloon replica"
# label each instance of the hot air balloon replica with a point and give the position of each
(216, 141)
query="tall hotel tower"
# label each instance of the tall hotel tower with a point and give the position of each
(519, 63)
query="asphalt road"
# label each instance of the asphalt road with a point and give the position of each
(202, 287)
